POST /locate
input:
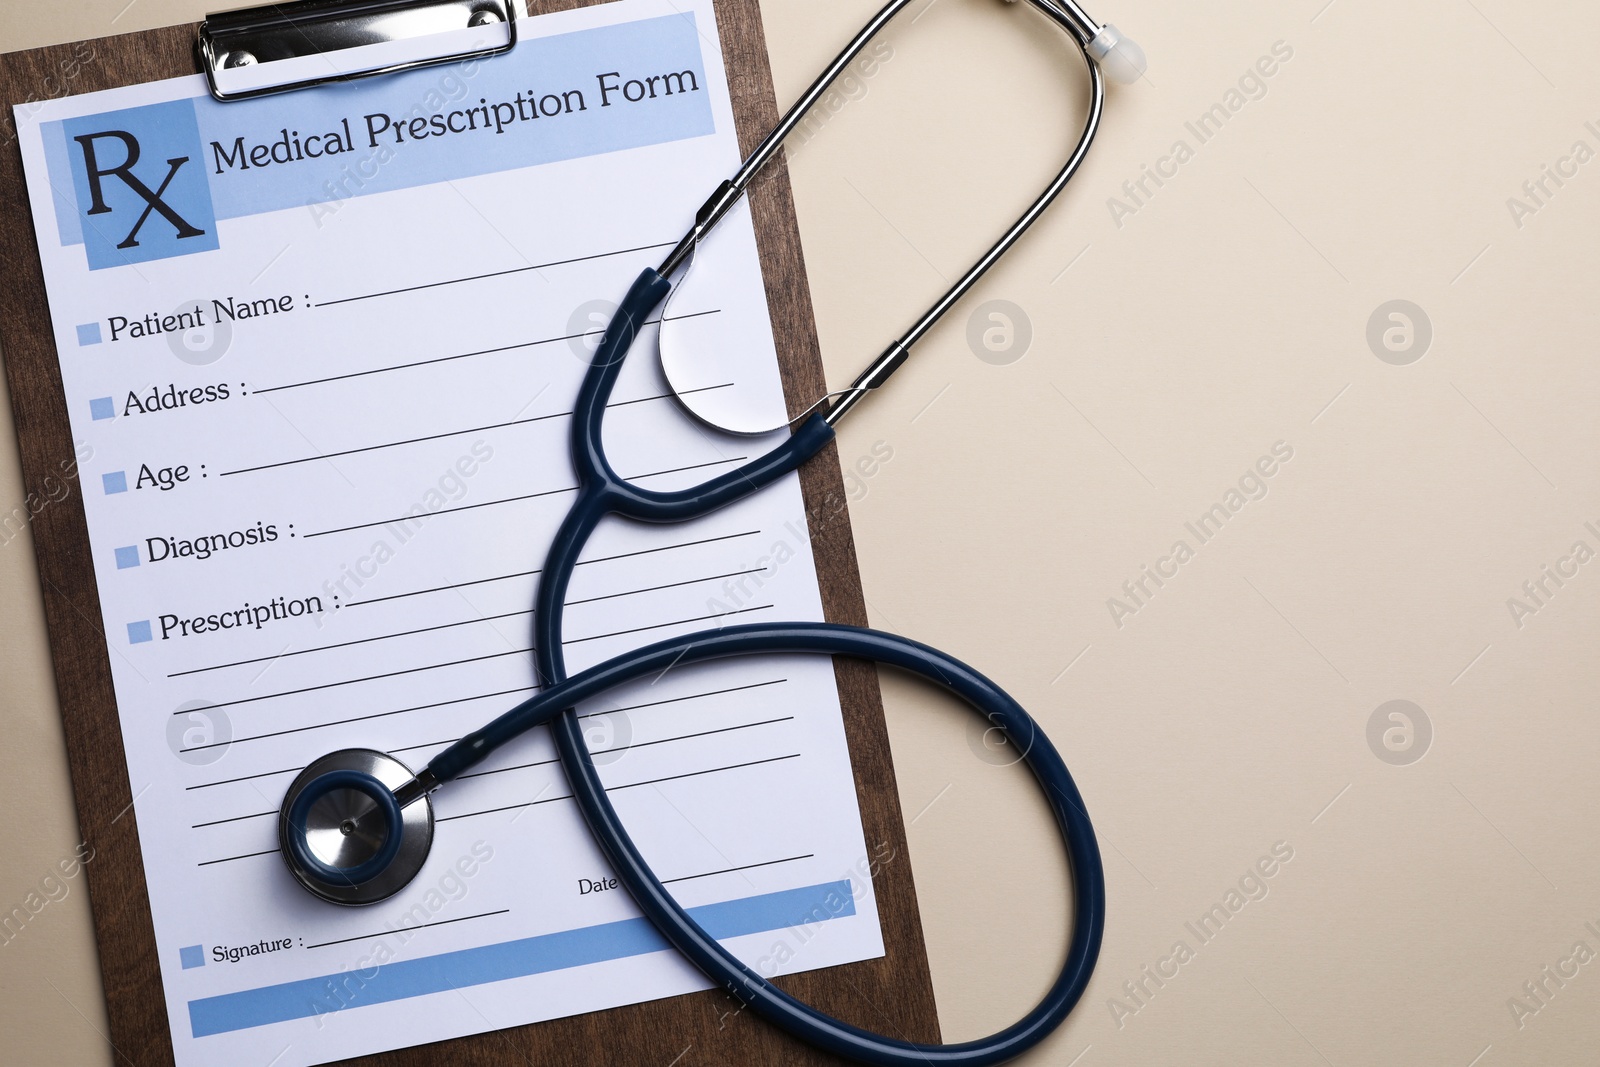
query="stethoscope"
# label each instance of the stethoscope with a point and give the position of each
(355, 826)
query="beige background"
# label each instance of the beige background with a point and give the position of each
(1230, 712)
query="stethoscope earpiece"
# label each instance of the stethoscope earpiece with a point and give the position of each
(1119, 55)
(345, 836)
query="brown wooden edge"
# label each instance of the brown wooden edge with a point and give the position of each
(893, 994)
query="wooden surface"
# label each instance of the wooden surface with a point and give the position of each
(893, 994)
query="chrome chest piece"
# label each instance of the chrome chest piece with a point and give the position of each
(339, 839)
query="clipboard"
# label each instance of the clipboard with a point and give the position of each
(892, 994)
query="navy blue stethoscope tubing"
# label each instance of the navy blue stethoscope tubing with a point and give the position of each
(602, 492)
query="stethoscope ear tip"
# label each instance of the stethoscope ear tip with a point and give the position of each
(343, 833)
(1120, 58)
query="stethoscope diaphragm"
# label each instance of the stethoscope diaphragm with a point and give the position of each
(342, 833)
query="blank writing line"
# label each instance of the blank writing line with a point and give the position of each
(668, 585)
(537, 763)
(691, 696)
(396, 444)
(236, 818)
(445, 703)
(426, 744)
(626, 707)
(552, 800)
(229, 859)
(512, 499)
(528, 574)
(443, 511)
(630, 785)
(467, 355)
(357, 718)
(495, 274)
(455, 433)
(241, 778)
(659, 625)
(419, 926)
(626, 748)
(455, 663)
(349, 681)
(729, 870)
(525, 767)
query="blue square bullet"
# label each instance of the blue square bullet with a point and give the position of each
(139, 632)
(115, 482)
(127, 557)
(192, 956)
(102, 408)
(88, 334)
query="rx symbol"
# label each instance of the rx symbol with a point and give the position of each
(152, 200)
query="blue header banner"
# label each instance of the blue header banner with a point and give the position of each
(151, 182)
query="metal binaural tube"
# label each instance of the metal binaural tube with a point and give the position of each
(1067, 15)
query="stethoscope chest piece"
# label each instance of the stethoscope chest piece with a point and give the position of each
(344, 835)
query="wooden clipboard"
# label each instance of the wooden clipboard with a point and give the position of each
(892, 995)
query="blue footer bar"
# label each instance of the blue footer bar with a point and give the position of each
(510, 959)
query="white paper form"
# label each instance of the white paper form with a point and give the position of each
(320, 350)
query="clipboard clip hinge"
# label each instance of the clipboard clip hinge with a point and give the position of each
(278, 48)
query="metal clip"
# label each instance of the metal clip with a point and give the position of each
(282, 47)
